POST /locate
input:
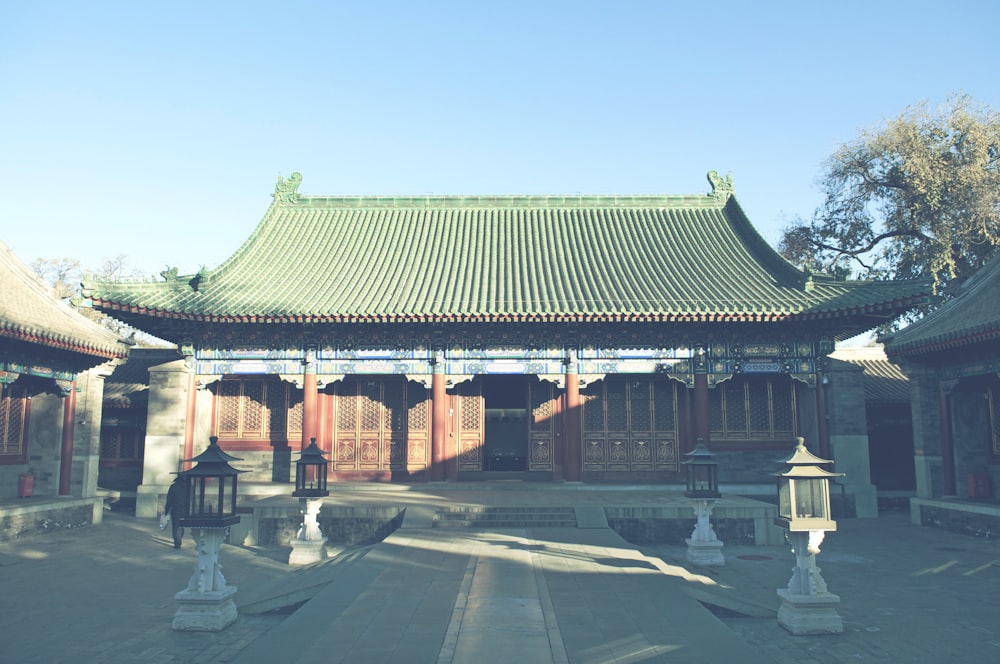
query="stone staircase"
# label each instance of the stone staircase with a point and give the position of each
(521, 516)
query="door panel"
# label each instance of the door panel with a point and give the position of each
(471, 422)
(630, 424)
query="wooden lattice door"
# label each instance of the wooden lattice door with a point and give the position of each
(470, 423)
(630, 424)
(542, 426)
(372, 431)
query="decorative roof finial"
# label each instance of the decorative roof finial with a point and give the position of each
(722, 189)
(286, 191)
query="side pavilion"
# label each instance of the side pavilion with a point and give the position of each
(53, 362)
(952, 357)
(555, 338)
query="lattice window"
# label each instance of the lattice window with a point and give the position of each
(542, 407)
(417, 414)
(753, 407)
(617, 399)
(394, 413)
(665, 412)
(370, 406)
(347, 408)
(640, 416)
(592, 401)
(296, 411)
(471, 412)
(277, 410)
(121, 443)
(257, 409)
(13, 421)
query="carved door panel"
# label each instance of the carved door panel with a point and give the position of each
(470, 424)
(542, 426)
(630, 424)
(373, 429)
(418, 422)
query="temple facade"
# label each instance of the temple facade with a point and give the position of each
(550, 338)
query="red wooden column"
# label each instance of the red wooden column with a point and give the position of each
(439, 420)
(310, 399)
(189, 417)
(572, 415)
(68, 430)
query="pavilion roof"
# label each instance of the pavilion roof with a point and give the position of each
(884, 381)
(322, 259)
(128, 384)
(971, 317)
(31, 313)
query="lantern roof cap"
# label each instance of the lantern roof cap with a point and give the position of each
(801, 456)
(312, 450)
(211, 461)
(700, 454)
(803, 463)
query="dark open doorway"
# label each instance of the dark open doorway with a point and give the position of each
(506, 433)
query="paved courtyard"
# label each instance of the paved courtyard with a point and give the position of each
(105, 594)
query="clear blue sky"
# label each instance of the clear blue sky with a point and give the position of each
(158, 130)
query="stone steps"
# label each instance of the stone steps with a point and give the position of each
(505, 517)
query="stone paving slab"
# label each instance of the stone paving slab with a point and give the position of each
(105, 594)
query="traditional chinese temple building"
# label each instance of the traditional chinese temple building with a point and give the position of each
(952, 358)
(557, 338)
(53, 362)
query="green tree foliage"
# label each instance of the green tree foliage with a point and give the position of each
(917, 198)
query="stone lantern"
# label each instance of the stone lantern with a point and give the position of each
(807, 607)
(309, 545)
(206, 605)
(703, 547)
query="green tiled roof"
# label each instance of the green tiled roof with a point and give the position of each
(31, 313)
(884, 381)
(128, 385)
(503, 258)
(972, 317)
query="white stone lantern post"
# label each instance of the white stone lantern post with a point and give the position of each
(703, 547)
(309, 545)
(206, 605)
(807, 607)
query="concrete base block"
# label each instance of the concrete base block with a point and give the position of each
(705, 554)
(305, 552)
(809, 614)
(205, 612)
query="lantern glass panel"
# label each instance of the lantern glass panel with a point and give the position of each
(810, 498)
(702, 478)
(310, 476)
(212, 496)
(784, 498)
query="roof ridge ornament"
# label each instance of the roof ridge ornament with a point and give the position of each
(722, 188)
(286, 191)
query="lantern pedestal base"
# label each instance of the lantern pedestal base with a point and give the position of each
(809, 614)
(705, 554)
(305, 552)
(308, 545)
(211, 611)
(704, 549)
